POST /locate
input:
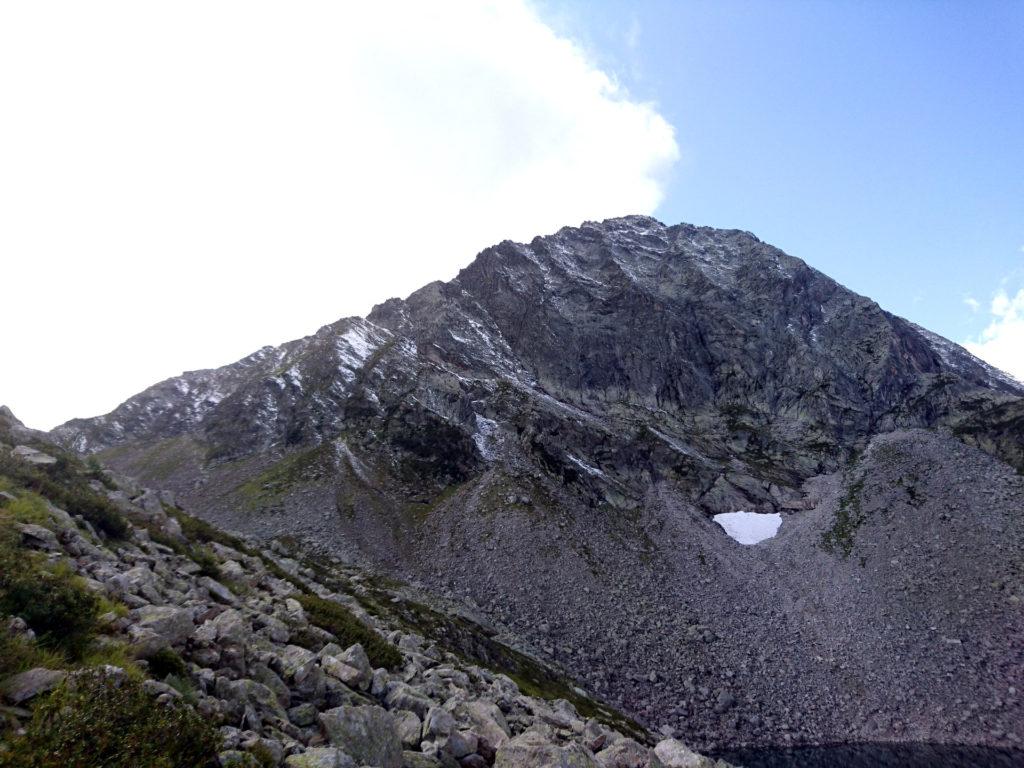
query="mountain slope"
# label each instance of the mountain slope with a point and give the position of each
(136, 635)
(547, 433)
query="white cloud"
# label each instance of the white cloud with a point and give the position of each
(1002, 342)
(181, 183)
(972, 303)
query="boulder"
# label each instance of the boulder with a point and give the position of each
(138, 581)
(27, 685)
(38, 537)
(294, 658)
(304, 715)
(409, 728)
(438, 723)
(462, 743)
(339, 670)
(533, 749)
(218, 591)
(402, 696)
(232, 628)
(264, 675)
(488, 723)
(173, 624)
(355, 657)
(674, 754)
(248, 693)
(368, 734)
(624, 753)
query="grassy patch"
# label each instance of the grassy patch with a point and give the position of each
(29, 508)
(276, 480)
(341, 623)
(849, 517)
(101, 720)
(66, 485)
(157, 461)
(18, 654)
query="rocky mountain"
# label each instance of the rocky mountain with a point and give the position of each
(548, 434)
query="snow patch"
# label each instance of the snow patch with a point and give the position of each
(675, 444)
(749, 527)
(486, 437)
(592, 471)
(354, 347)
(357, 467)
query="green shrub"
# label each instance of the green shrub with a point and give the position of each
(263, 756)
(18, 654)
(103, 720)
(94, 471)
(53, 602)
(341, 623)
(207, 562)
(166, 662)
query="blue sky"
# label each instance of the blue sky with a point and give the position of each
(881, 142)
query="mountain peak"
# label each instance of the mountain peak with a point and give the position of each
(572, 412)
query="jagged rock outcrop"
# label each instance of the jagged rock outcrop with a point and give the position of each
(547, 434)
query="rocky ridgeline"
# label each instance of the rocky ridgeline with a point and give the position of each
(242, 630)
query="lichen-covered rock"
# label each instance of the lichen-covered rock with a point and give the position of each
(231, 626)
(173, 624)
(38, 537)
(409, 728)
(420, 760)
(438, 722)
(488, 723)
(320, 757)
(24, 686)
(368, 734)
(533, 749)
(674, 754)
(624, 753)
(355, 657)
(402, 696)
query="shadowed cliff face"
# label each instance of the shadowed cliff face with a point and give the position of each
(547, 433)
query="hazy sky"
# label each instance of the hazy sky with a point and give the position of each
(181, 183)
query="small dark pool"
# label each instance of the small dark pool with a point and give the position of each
(877, 756)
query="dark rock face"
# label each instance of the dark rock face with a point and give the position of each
(716, 345)
(547, 433)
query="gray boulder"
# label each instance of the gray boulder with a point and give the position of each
(409, 728)
(173, 624)
(27, 685)
(38, 537)
(624, 753)
(368, 734)
(533, 749)
(674, 754)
